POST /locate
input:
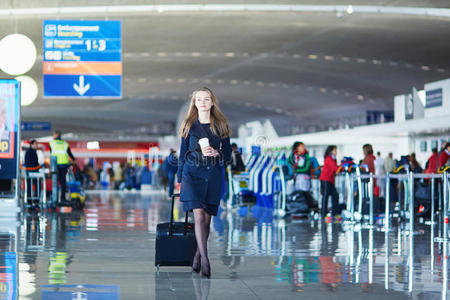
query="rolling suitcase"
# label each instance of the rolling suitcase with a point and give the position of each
(175, 242)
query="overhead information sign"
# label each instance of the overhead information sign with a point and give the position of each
(82, 59)
(36, 126)
(433, 98)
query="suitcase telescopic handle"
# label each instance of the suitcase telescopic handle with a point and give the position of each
(171, 217)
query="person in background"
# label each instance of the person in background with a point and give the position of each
(112, 179)
(315, 167)
(369, 158)
(237, 164)
(379, 161)
(118, 174)
(64, 157)
(130, 176)
(92, 176)
(327, 185)
(170, 167)
(379, 172)
(432, 162)
(105, 177)
(31, 164)
(389, 163)
(369, 161)
(444, 155)
(414, 164)
(301, 164)
(31, 157)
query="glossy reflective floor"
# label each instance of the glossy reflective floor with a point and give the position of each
(107, 252)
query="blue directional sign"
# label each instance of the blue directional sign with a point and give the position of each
(80, 292)
(36, 126)
(82, 59)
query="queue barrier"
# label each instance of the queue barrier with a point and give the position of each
(264, 179)
(406, 200)
(347, 183)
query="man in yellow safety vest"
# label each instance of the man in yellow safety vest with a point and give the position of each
(64, 157)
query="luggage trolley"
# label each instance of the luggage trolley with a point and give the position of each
(34, 188)
(244, 183)
(77, 194)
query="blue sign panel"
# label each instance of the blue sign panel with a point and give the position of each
(82, 292)
(36, 126)
(433, 98)
(82, 59)
(8, 275)
(89, 86)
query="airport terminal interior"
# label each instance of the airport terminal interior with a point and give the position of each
(307, 140)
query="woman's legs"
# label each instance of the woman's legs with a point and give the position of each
(202, 229)
(334, 200)
(325, 195)
(197, 257)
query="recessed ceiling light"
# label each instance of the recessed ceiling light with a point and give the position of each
(350, 9)
(17, 54)
(28, 90)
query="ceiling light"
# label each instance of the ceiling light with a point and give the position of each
(93, 145)
(28, 90)
(17, 54)
(350, 9)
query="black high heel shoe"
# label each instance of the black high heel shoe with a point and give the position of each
(206, 268)
(196, 264)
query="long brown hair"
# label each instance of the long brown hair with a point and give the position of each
(367, 149)
(219, 124)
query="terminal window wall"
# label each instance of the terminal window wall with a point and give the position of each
(423, 146)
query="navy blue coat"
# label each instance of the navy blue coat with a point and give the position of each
(202, 177)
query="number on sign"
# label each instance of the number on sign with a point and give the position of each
(95, 44)
(102, 44)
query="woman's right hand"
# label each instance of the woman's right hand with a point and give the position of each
(211, 152)
(178, 186)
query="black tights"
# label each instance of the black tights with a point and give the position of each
(202, 228)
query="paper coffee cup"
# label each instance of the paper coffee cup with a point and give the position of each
(203, 142)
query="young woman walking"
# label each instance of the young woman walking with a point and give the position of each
(205, 149)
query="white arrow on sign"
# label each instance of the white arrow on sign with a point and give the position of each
(80, 87)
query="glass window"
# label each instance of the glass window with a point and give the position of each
(434, 144)
(423, 146)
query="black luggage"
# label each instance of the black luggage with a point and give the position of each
(296, 203)
(246, 198)
(175, 242)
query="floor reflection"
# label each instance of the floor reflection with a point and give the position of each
(107, 252)
(181, 285)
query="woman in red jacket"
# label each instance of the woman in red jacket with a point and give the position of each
(327, 183)
(369, 158)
